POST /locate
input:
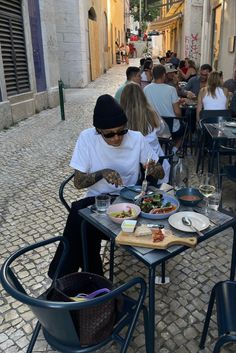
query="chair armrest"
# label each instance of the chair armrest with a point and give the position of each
(61, 191)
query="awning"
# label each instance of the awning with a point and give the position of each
(164, 23)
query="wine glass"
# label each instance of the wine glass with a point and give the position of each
(207, 187)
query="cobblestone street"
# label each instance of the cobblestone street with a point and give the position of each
(35, 157)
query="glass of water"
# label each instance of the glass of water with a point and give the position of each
(102, 202)
(221, 123)
(214, 200)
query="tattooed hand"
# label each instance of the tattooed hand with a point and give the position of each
(112, 177)
(155, 170)
(84, 180)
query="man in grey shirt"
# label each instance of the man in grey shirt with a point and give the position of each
(192, 88)
(165, 101)
(231, 83)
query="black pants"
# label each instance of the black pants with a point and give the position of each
(72, 232)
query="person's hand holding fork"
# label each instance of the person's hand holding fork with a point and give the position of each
(155, 169)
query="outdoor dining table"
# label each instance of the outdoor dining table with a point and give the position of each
(218, 135)
(219, 221)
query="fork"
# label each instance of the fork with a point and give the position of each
(144, 183)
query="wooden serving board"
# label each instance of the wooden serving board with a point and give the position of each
(146, 240)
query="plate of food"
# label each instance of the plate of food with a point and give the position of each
(123, 211)
(158, 206)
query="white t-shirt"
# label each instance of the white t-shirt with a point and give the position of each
(162, 97)
(215, 103)
(152, 139)
(92, 154)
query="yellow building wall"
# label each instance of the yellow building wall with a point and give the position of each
(116, 26)
(103, 34)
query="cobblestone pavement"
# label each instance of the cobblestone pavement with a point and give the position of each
(35, 156)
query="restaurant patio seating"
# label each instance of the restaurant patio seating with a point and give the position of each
(170, 122)
(223, 295)
(229, 170)
(55, 317)
(204, 143)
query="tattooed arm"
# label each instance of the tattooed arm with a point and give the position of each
(84, 180)
(155, 170)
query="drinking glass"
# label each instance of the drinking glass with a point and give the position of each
(214, 200)
(221, 123)
(207, 187)
(102, 202)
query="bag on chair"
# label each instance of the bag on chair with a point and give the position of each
(92, 324)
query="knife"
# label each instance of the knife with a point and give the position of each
(161, 226)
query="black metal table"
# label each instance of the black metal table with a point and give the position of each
(218, 136)
(152, 257)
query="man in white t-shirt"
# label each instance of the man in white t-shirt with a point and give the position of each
(165, 100)
(105, 157)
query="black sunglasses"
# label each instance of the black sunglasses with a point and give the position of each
(109, 135)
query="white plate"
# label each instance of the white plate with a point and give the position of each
(231, 123)
(199, 221)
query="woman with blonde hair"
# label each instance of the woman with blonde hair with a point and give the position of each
(142, 117)
(213, 96)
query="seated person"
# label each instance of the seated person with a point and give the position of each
(233, 105)
(133, 75)
(142, 117)
(192, 89)
(105, 157)
(146, 75)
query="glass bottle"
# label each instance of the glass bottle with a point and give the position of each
(180, 173)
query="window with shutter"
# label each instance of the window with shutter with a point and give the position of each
(12, 42)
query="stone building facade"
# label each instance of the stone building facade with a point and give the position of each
(43, 41)
(203, 30)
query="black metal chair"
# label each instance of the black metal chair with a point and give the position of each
(170, 122)
(55, 318)
(229, 170)
(223, 294)
(61, 191)
(204, 143)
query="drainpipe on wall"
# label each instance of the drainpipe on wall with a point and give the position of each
(205, 34)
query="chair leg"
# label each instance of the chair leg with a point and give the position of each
(146, 330)
(221, 341)
(34, 337)
(207, 320)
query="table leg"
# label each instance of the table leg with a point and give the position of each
(151, 309)
(233, 258)
(84, 245)
(112, 252)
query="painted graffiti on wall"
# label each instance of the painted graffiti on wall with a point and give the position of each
(192, 47)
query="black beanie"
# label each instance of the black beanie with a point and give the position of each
(108, 113)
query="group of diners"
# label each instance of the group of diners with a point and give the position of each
(123, 138)
(168, 89)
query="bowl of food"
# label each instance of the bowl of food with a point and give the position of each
(158, 206)
(189, 196)
(122, 211)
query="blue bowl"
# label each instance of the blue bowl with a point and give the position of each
(189, 196)
(166, 198)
